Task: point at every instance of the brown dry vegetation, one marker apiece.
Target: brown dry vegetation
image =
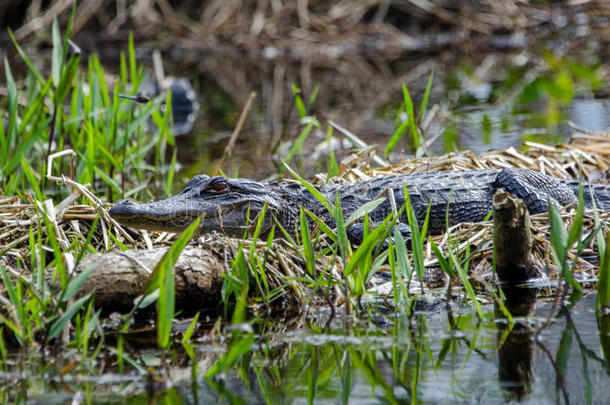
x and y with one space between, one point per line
588 154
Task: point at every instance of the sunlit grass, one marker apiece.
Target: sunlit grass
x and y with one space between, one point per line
77 106
112 137
411 123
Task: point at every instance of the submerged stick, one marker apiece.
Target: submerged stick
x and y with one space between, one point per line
240 123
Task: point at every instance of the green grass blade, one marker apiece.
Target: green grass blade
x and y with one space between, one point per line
123 70
101 80
560 239
26 59
466 283
306 238
31 178
133 75
341 231
298 101
59 324
424 101
298 144
69 27
401 273
332 167
11 133
3 154
577 228
559 235
402 256
603 284
442 261
314 191
66 80
163 278
416 237
189 332
313 96
364 209
75 284
410 115
57 59
322 225
402 128
562 357
170 174
14 298
36 110
107 179
237 348
367 245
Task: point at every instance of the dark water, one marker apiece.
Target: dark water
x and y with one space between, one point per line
397 359
461 365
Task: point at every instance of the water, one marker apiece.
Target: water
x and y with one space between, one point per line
439 363
422 359
472 114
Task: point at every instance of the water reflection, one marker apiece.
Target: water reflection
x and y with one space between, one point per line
478 125
516 350
430 357
425 360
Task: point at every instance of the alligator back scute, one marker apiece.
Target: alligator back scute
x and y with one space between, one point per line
466 194
535 188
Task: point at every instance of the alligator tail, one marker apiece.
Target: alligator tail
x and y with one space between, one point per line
595 194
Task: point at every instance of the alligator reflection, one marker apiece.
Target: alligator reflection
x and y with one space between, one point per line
516 353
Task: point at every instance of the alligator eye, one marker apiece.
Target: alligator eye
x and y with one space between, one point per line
217 186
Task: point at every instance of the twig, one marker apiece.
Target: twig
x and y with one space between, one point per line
240 123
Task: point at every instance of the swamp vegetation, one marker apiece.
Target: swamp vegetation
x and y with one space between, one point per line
310 318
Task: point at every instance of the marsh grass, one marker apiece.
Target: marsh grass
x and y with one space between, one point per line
603 285
78 107
412 123
111 136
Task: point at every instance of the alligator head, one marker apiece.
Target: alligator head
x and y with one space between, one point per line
230 206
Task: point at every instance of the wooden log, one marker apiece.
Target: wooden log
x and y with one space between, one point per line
120 276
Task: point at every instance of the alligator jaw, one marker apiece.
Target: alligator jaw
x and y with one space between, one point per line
153 216
176 213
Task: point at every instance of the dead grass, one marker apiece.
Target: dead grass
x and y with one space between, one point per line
589 154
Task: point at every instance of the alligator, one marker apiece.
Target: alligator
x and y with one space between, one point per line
232 205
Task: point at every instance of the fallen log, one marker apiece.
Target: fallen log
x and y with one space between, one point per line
119 277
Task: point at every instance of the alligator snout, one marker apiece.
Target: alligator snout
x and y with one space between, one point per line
172 215
124 207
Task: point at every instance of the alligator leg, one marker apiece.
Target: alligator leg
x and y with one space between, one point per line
534 188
